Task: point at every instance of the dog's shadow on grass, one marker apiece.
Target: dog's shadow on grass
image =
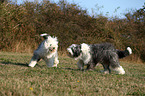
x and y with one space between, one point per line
19 64
84 70
67 68
12 63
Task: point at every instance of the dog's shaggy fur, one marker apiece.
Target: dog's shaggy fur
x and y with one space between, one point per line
91 55
47 51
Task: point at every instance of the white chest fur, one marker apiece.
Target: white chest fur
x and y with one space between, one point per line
86 56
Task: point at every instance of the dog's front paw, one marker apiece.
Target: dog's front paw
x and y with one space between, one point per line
32 63
55 65
105 71
56 62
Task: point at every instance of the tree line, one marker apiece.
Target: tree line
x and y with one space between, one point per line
21 25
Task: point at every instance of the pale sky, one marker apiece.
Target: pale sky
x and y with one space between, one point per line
109 8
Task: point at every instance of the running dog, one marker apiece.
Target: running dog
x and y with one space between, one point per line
93 54
47 51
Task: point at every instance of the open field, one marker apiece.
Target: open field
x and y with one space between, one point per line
16 79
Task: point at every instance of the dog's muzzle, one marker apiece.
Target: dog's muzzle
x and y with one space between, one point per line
52 49
69 52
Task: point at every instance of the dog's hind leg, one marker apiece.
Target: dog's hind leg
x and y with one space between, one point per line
119 70
114 63
34 60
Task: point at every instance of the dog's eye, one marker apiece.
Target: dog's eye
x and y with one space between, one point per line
53 47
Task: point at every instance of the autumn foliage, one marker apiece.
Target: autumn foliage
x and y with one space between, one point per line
21 25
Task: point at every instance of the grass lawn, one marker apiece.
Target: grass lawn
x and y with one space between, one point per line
16 79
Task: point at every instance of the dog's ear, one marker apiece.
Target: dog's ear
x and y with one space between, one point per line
44 35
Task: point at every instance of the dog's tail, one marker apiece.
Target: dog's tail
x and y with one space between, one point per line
122 54
44 35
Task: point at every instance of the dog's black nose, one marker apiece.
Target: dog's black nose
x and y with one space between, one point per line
52 49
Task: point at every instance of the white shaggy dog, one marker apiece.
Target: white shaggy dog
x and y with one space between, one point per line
47 51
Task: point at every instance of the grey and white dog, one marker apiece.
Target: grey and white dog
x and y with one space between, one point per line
47 51
104 53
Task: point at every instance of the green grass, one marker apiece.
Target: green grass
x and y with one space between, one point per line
16 79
